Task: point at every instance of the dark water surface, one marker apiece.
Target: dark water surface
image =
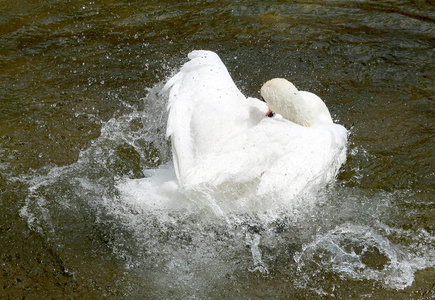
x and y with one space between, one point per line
79 113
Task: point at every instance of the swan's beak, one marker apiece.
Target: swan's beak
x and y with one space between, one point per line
269 113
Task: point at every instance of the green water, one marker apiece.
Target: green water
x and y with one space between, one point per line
78 112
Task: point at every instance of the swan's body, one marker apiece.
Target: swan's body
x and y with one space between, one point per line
223 141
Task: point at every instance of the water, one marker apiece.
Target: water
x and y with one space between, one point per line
80 116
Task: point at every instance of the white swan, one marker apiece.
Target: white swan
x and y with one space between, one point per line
223 141
228 155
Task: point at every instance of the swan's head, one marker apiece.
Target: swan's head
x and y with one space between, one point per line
302 108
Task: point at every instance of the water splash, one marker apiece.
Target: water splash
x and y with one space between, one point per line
186 245
360 253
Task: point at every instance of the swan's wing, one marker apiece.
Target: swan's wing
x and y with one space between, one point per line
203 108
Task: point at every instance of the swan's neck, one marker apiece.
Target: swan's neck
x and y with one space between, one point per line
284 98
